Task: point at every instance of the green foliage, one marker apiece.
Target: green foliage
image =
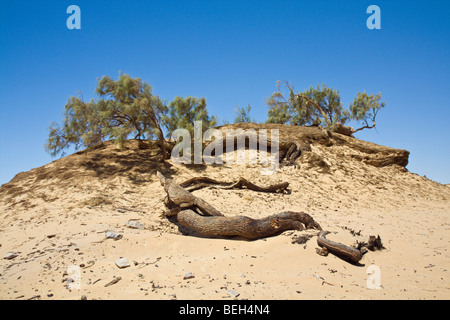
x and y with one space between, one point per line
183 112
320 106
364 108
243 115
124 107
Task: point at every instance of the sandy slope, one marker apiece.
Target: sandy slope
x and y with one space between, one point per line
56 217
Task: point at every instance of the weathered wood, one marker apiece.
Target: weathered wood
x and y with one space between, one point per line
347 253
183 199
372 154
246 227
182 204
202 182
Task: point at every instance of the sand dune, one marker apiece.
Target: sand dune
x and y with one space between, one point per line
56 216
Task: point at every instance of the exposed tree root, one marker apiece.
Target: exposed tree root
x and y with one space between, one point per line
184 204
202 182
244 226
199 216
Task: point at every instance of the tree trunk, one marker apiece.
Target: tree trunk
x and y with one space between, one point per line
162 143
182 203
244 226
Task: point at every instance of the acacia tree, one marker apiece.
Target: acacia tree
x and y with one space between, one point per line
364 108
125 107
243 115
321 106
183 112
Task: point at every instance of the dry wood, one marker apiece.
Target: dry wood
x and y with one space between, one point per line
246 227
342 251
182 203
202 182
179 198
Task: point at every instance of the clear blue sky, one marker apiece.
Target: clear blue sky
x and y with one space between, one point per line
232 53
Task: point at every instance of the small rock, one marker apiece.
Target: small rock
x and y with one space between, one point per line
113 281
113 235
232 293
122 263
188 276
121 210
135 225
10 255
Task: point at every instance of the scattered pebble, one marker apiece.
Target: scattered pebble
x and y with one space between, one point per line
113 235
233 293
122 263
10 255
188 276
135 225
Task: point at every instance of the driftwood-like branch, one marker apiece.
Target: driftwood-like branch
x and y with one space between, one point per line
202 182
347 253
198 215
178 198
184 204
244 226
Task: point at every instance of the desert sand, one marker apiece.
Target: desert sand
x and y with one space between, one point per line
55 218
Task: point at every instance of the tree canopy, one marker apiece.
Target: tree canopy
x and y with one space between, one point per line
124 108
321 106
183 112
243 115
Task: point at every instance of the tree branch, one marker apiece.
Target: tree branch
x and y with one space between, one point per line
324 115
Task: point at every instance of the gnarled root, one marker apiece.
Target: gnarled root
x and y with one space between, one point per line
202 182
246 227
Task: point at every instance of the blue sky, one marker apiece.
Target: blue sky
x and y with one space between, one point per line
232 53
